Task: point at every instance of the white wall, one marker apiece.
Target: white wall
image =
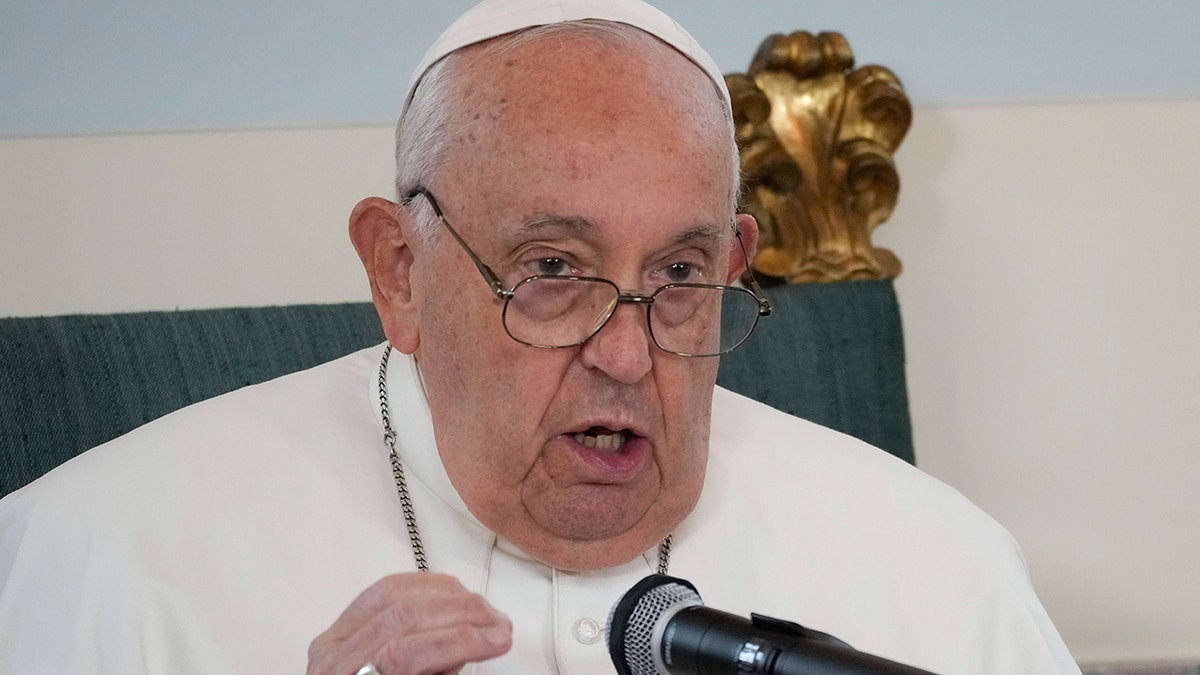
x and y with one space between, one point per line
1049 302
1053 331
189 220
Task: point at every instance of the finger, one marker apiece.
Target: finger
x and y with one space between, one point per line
416 587
404 620
404 652
413 618
444 650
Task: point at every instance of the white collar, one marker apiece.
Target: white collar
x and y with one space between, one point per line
413 423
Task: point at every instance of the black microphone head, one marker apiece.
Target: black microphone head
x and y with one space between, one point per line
636 616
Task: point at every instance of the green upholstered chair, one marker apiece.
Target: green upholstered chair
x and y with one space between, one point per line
831 352
69 383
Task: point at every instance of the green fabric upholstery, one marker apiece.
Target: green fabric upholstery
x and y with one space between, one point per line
68 383
832 353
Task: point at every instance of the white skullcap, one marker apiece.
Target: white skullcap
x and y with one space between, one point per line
492 18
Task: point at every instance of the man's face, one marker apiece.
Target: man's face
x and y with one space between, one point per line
578 161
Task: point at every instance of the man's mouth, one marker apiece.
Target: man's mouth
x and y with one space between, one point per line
602 439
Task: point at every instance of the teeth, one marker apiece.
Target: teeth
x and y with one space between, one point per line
601 441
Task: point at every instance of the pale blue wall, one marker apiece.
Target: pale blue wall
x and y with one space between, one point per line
83 66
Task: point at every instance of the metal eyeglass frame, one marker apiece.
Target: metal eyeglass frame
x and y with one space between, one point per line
493 281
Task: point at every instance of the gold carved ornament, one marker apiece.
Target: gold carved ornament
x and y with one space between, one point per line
816 138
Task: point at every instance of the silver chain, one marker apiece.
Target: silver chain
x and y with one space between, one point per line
410 517
664 554
389 437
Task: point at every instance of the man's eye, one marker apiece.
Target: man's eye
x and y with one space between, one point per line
550 266
680 272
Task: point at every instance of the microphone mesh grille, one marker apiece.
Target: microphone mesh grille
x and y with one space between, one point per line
639 633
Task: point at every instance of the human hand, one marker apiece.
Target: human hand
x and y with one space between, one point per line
411 624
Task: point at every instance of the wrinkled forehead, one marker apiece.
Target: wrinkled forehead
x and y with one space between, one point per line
493 18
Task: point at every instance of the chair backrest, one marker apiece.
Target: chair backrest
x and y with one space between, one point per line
834 354
68 383
816 137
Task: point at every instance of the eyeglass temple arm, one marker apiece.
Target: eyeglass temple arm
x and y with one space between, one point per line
488 275
764 305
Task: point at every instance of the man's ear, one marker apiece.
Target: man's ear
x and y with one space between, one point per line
381 239
745 224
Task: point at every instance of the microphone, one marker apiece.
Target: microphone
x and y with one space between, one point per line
661 627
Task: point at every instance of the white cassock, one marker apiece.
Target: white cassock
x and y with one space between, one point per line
224 537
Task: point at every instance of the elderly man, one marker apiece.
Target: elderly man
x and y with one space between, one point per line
540 432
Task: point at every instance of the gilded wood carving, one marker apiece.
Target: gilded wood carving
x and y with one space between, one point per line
816 138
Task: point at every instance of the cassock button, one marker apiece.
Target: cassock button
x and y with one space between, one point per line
588 631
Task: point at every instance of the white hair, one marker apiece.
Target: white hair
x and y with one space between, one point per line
423 130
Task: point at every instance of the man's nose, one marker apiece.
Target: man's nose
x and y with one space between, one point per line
622 347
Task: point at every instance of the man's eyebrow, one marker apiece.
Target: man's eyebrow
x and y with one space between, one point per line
697 235
702 235
543 222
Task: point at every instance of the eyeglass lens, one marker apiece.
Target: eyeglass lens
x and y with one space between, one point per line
692 320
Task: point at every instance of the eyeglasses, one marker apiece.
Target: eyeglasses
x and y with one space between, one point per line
556 311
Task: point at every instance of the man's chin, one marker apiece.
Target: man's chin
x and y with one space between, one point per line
592 555
593 512
589 539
